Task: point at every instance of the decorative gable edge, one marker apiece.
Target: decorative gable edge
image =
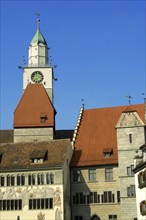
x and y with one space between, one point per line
77 126
129 119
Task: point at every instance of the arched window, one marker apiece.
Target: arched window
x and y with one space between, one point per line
95 217
33 179
29 179
39 179
18 180
22 180
47 178
2 181
51 178
42 178
8 180
12 180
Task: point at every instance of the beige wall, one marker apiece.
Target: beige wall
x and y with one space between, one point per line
99 186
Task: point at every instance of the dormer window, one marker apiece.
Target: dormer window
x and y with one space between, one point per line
38 156
43 117
107 152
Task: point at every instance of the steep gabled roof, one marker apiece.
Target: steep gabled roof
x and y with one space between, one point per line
33 106
97 132
17 156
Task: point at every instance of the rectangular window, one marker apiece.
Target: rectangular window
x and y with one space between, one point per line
10 205
82 198
108 197
130 170
41 203
78 218
76 175
92 174
118 196
142 179
112 217
143 208
131 191
109 174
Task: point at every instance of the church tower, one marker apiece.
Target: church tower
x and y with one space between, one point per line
38 69
34 116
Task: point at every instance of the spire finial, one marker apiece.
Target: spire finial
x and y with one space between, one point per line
129 99
38 19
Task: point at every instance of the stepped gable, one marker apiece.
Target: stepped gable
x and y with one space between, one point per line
17 156
34 104
97 133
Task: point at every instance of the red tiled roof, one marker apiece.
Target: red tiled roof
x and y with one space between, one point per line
34 103
16 156
96 133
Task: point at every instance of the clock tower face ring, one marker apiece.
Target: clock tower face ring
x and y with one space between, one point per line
37 77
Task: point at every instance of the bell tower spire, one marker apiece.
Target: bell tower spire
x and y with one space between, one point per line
38 69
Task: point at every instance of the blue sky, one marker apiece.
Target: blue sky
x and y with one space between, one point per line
98 47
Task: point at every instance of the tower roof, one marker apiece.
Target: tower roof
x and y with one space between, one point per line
35 108
38 38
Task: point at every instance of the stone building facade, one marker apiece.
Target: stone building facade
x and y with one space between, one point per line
140 181
45 176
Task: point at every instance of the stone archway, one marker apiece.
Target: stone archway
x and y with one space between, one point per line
95 217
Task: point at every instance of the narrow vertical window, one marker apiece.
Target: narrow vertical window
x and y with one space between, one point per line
33 179
29 179
2 181
51 178
42 178
8 180
47 178
22 180
130 138
18 180
12 180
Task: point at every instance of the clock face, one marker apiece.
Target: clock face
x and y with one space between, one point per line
37 77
